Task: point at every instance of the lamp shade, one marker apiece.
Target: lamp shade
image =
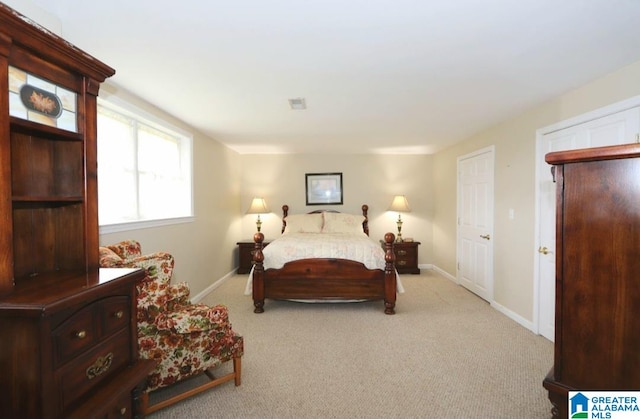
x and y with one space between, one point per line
399 204
258 206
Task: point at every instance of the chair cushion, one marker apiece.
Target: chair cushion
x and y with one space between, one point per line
194 318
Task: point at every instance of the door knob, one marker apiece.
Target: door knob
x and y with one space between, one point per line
543 250
486 237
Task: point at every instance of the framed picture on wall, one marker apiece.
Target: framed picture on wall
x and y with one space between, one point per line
323 188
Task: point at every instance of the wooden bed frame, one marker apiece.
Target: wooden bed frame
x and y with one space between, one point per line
325 278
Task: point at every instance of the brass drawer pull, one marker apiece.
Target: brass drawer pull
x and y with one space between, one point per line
401 262
101 366
119 314
123 410
81 334
402 252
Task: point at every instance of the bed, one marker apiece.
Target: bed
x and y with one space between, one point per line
324 256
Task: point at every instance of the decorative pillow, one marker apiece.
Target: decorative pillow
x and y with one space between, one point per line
303 223
336 222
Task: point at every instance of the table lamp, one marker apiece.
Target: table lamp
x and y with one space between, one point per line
400 205
258 206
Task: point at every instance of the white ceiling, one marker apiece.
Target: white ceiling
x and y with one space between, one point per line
378 76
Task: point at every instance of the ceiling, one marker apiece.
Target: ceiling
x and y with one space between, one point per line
378 76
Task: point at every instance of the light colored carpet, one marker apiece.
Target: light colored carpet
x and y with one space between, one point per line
445 354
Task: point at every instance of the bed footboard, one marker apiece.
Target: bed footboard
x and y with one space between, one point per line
329 279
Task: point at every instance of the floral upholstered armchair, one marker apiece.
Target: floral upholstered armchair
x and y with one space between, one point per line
185 339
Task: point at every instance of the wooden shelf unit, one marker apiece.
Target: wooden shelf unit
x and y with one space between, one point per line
68 329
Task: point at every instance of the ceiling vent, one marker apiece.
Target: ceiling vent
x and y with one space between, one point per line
298 104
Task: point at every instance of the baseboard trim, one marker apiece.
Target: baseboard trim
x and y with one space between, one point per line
446 274
514 316
202 294
510 314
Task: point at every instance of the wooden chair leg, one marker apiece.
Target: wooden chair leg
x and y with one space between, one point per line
235 375
237 370
144 404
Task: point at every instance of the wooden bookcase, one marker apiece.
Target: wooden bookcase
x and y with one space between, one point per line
68 335
48 180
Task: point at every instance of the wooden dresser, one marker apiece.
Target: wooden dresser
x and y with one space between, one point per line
406 257
68 335
69 346
597 323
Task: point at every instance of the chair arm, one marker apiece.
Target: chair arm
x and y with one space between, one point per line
159 266
195 318
179 293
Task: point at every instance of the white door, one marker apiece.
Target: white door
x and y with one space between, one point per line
619 128
475 222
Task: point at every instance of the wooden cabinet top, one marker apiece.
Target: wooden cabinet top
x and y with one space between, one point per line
54 291
595 153
265 242
402 244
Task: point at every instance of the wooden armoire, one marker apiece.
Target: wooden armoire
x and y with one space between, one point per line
597 323
68 345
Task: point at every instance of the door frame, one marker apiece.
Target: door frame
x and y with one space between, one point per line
540 133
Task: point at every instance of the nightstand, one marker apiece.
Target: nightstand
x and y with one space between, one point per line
406 257
245 255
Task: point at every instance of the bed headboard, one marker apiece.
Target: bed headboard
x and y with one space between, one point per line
365 223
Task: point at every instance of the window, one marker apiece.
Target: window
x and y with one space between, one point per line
144 170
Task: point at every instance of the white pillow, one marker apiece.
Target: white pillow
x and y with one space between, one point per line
303 223
336 222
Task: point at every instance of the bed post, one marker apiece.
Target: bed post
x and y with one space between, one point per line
258 274
390 284
365 223
285 212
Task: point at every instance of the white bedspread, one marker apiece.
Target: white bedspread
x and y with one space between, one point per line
295 246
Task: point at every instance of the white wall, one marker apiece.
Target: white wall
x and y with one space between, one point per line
515 186
367 179
204 248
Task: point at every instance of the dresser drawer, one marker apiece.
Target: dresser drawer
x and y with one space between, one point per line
115 314
91 368
89 325
123 408
75 335
406 257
